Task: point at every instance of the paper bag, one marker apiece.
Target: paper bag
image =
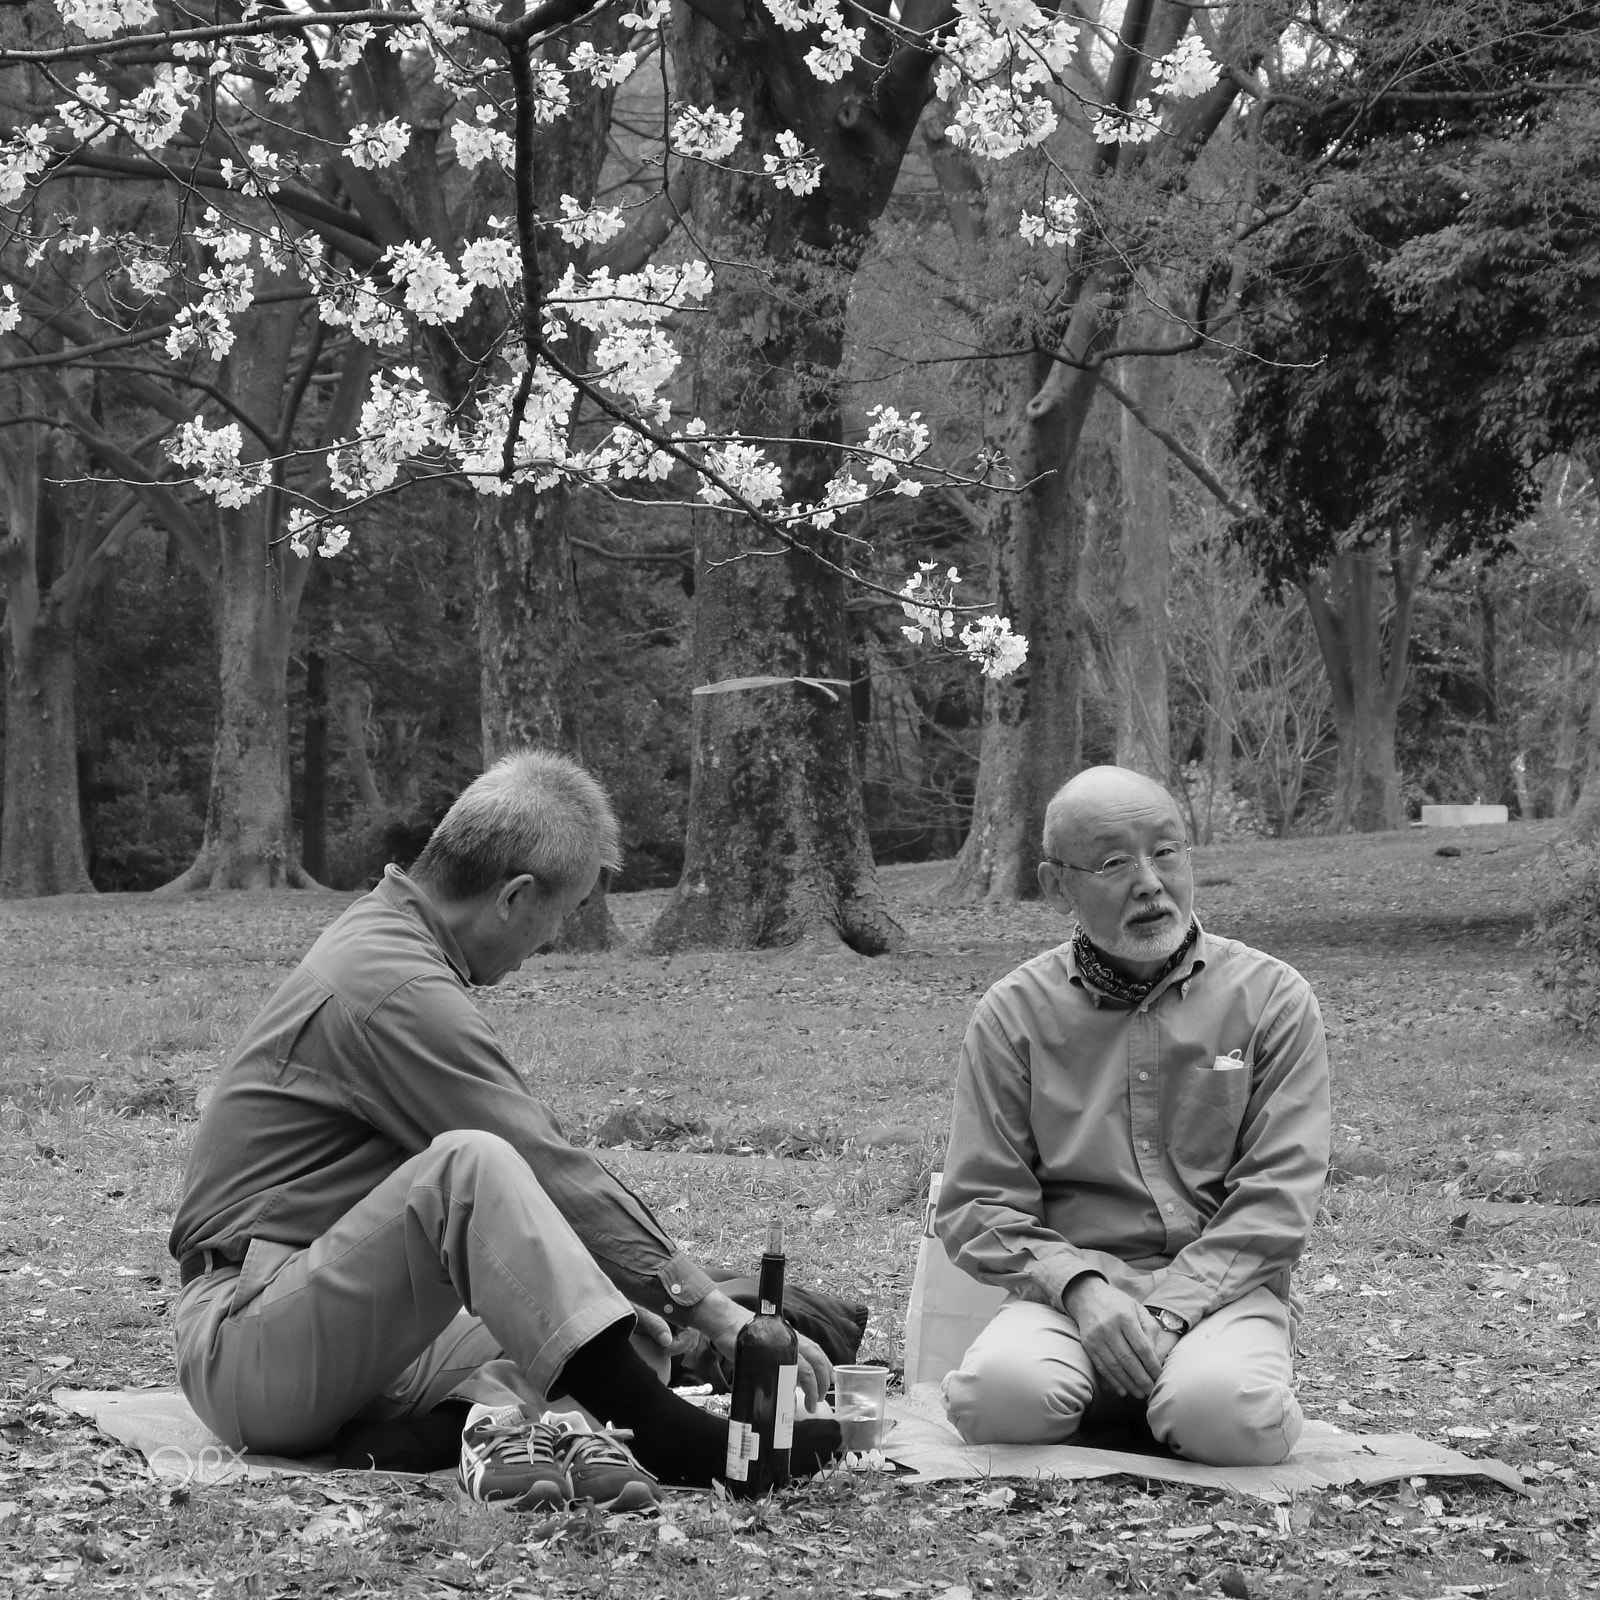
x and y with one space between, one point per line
948 1309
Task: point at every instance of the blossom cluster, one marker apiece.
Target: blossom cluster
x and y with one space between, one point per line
213 458
1003 68
986 641
1060 224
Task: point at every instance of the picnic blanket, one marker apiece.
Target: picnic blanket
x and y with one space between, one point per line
924 1442
160 1424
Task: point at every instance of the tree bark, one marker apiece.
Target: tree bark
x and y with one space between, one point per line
1367 681
1583 821
530 624
249 840
1139 643
529 652
314 770
1032 729
1502 779
354 699
776 849
41 831
1032 745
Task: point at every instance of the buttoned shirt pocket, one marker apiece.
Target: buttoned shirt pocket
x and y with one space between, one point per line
1208 1106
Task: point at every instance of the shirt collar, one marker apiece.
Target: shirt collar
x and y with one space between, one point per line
1194 959
405 894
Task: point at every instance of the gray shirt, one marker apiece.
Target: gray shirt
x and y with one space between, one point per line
1189 1132
370 1049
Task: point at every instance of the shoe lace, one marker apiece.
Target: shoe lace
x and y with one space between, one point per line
517 1441
604 1447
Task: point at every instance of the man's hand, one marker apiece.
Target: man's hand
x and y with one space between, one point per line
720 1320
1124 1342
673 1341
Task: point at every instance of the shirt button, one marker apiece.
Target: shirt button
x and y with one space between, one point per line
1143 1076
1144 1144
1169 1205
677 1288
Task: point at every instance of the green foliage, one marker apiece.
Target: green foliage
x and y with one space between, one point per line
1566 932
1427 331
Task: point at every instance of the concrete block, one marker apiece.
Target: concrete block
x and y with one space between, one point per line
1463 816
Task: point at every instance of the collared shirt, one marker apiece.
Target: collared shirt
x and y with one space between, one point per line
1187 1133
371 1049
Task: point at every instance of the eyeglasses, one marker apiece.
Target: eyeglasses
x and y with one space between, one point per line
1167 858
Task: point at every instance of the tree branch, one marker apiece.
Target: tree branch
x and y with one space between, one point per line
1196 466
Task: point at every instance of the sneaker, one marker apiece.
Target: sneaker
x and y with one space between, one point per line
510 1461
603 1469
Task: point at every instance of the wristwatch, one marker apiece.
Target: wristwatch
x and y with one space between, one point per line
1170 1320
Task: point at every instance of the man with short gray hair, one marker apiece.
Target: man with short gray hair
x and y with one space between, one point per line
380 1225
1139 1141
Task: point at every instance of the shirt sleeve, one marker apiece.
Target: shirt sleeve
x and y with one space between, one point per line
991 1205
432 1064
1280 1165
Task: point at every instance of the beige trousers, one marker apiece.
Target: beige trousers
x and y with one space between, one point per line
1223 1397
369 1319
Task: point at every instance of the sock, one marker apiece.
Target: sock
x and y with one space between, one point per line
676 1441
426 1443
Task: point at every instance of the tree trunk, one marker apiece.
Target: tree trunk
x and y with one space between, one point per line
1583 821
41 831
354 699
530 624
1032 730
1139 643
530 666
1367 682
314 770
1502 779
249 840
776 850
1564 764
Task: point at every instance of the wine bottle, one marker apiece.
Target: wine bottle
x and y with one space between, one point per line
766 1367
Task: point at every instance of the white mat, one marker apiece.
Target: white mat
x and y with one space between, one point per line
926 1443
160 1424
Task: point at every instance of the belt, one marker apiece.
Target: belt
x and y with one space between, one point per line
199 1262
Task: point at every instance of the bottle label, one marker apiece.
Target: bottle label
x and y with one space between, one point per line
768 1309
743 1448
783 1417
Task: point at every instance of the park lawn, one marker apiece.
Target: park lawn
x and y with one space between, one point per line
815 1086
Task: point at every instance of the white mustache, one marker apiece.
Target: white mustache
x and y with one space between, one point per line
1150 913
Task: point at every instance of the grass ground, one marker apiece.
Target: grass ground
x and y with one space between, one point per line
729 1087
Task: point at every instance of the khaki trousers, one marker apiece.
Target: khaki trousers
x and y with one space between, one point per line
457 1276
1223 1397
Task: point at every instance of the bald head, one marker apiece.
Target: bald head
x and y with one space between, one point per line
1087 810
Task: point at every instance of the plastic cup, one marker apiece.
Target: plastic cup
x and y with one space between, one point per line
859 1394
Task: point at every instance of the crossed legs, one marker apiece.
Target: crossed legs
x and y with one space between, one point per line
1223 1397
279 1355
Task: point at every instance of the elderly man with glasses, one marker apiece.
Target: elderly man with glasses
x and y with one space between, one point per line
1139 1140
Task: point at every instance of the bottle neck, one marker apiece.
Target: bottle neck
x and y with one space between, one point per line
770 1289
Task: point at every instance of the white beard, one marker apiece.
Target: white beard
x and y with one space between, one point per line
1157 944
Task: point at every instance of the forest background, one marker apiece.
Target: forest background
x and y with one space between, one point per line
1317 541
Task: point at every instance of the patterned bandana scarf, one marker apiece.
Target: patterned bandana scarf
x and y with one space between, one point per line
1111 983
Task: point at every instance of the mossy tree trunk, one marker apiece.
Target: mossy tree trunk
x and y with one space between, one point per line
41 831
777 850
1366 654
530 621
